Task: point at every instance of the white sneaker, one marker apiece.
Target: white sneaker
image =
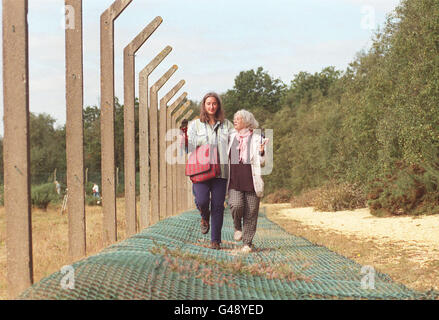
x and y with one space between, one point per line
238 235
246 249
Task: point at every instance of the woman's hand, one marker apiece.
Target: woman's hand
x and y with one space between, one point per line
262 146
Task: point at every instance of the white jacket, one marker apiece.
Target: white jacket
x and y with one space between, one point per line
256 160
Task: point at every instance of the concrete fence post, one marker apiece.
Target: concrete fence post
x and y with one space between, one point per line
165 167
179 181
16 146
191 203
181 172
171 125
129 123
107 119
75 133
144 155
158 188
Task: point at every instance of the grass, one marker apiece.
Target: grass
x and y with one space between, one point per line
392 259
214 272
50 239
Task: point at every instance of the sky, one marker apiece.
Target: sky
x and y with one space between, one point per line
212 41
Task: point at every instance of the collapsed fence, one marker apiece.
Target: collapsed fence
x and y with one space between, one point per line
152 123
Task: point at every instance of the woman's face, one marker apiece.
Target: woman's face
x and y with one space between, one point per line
238 123
211 106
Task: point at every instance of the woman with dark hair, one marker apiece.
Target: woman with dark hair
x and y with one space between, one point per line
211 128
184 138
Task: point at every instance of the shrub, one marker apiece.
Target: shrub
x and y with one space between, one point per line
89 188
92 201
279 196
407 189
44 194
306 198
340 196
332 197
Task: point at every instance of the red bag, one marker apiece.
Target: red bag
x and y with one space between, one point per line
203 163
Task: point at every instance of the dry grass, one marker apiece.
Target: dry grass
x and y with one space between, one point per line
331 197
50 239
390 257
214 272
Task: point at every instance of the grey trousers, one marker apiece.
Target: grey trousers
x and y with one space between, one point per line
244 207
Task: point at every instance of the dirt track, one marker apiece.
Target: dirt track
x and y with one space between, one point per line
393 245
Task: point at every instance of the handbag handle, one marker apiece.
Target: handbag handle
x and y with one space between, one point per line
216 134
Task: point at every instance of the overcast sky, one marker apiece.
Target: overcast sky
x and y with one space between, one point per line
212 42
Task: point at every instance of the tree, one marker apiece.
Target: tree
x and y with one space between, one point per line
92 140
254 90
47 147
304 86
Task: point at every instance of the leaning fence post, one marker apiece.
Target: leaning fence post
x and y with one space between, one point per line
156 199
107 118
74 132
188 181
181 172
170 125
129 123
16 146
179 190
144 156
165 167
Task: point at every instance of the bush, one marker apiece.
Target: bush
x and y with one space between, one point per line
340 196
407 189
279 196
44 194
332 197
92 201
306 198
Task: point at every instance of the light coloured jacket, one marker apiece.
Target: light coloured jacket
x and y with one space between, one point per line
256 160
197 137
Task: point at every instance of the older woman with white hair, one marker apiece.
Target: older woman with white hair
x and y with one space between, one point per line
245 185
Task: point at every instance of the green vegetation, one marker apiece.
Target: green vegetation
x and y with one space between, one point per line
44 194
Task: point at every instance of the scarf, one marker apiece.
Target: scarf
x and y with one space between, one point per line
242 137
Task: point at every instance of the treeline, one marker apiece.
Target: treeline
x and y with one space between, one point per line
375 124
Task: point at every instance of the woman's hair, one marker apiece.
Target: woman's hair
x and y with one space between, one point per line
219 115
184 123
248 118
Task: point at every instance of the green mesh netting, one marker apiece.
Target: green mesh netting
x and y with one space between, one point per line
172 260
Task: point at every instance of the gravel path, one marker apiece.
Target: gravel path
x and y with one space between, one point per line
412 232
